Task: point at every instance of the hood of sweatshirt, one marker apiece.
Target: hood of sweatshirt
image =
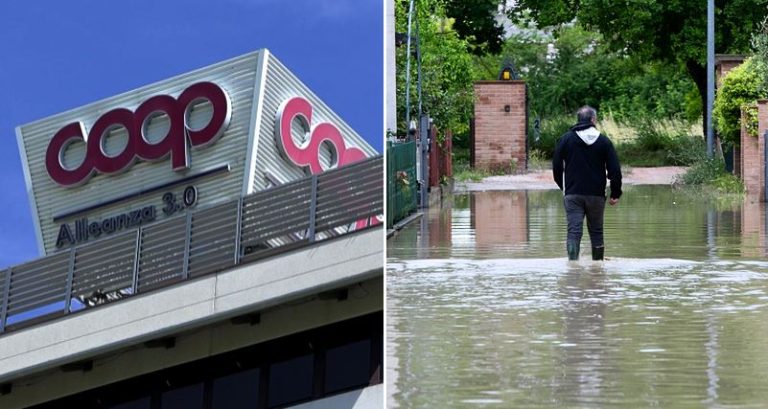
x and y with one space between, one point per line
589 135
586 131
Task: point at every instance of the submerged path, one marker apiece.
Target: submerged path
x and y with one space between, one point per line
485 311
542 179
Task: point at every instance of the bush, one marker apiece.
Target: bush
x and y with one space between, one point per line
686 150
742 85
710 173
651 136
660 143
550 131
704 172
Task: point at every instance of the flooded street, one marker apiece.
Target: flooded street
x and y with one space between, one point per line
484 310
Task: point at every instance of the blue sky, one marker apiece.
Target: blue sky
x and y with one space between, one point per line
58 55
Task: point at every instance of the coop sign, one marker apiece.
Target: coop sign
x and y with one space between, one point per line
175 143
308 155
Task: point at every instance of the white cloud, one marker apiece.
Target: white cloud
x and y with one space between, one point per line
330 9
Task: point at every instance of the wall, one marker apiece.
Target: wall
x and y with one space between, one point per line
753 156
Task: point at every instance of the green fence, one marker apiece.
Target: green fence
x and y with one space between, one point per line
401 181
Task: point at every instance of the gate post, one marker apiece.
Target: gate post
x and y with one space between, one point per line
424 164
500 126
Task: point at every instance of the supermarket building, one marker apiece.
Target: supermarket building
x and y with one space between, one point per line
212 240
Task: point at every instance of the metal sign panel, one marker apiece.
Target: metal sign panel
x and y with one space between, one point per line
272 165
197 139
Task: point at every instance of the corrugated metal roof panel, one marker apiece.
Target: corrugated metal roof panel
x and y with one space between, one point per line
280 84
235 76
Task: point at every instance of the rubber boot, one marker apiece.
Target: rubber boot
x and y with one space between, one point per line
573 249
597 253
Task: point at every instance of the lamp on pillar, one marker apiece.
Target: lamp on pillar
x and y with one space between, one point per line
508 71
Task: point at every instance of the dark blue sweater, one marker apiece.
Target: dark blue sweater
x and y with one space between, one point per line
585 165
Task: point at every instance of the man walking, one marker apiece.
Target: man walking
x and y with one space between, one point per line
586 156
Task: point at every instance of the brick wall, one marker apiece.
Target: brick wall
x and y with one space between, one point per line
724 68
752 156
762 116
500 136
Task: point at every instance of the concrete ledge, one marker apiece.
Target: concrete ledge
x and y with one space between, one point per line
189 305
402 223
300 315
438 195
366 398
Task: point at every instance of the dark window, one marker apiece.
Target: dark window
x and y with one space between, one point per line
187 397
348 366
276 373
143 403
291 380
236 391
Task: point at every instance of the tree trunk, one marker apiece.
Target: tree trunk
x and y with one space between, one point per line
698 73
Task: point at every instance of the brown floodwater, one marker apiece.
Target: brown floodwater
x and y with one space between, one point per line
484 310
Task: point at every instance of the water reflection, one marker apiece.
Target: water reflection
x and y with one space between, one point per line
484 310
499 218
653 221
583 309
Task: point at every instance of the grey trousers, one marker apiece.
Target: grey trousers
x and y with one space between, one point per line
593 207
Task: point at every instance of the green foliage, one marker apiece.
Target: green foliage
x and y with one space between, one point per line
710 174
728 183
652 137
741 86
656 147
760 45
537 160
462 172
650 90
652 142
704 172
475 22
670 32
551 129
572 67
686 150
447 67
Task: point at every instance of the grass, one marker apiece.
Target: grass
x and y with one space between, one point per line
462 172
643 142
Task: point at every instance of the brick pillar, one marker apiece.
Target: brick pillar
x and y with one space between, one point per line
500 126
762 117
753 156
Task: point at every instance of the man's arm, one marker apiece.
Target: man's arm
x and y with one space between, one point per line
557 162
614 172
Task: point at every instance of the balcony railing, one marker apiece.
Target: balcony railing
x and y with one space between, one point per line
195 244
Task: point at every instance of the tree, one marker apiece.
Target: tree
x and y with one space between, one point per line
447 68
475 21
672 31
760 44
569 67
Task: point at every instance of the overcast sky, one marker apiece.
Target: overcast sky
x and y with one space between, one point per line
58 55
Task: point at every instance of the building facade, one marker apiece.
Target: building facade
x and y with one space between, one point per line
212 240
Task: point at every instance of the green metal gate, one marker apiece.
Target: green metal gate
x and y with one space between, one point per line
401 181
